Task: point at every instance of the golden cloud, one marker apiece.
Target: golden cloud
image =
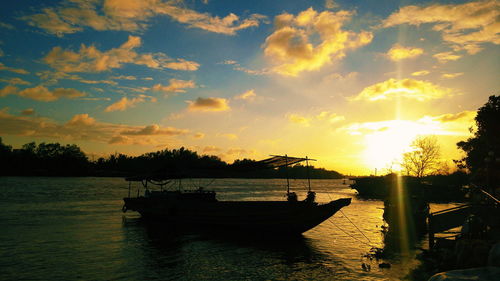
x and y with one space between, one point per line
199 136
40 93
12 69
420 73
407 88
466 26
208 104
131 15
248 95
15 81
398 52
84 127
229 136
175 86
446 57
28 111
155 130
290 45
126 103
450 117
451 75
90 59
298 119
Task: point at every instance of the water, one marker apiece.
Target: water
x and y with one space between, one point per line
73 229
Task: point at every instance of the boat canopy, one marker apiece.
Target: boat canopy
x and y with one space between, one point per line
281 161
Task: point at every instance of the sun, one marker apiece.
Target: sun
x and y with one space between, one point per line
387 142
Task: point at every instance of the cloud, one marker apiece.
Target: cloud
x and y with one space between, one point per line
229 136
84 127
248 95
457 124
211 149
6 25
291 46
398 52
420 73
199 136
175 86
155 130
12 69
306 121
407 88
131 15
238 67
28 112
446 57
465 26
123 77
330 4
90 59
450 117
40 93
208 105
298 119
126 103
8 90
15 81
451 75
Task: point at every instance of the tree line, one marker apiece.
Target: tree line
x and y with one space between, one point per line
54 159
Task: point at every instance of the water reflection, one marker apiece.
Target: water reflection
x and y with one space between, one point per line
191 255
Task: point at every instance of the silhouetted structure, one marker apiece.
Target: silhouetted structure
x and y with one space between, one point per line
199 209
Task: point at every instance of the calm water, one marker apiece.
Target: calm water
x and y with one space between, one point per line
73 229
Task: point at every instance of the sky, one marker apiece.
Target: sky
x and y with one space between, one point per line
349 83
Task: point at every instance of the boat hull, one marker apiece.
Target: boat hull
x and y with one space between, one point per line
243 216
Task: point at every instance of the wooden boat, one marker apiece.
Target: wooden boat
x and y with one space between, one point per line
201 210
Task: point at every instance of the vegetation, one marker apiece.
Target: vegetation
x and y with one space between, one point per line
483 149
54 159
423 159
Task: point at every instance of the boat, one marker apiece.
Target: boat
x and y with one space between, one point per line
435 188
200 209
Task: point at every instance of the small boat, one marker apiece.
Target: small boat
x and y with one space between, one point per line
200 208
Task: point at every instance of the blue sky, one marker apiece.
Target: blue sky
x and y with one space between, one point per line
351 83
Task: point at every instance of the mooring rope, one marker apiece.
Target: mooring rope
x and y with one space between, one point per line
352 224
353 237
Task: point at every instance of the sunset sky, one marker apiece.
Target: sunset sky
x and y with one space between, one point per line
350 83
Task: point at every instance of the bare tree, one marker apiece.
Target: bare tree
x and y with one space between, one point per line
424 158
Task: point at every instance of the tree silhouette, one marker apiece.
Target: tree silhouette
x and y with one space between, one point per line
424 158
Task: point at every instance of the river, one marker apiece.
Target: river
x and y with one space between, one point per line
74 229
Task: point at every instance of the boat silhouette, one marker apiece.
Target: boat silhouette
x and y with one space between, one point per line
200 209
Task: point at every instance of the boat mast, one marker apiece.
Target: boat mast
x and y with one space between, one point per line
287 179
308 177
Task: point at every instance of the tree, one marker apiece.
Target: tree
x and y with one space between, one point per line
424 157
485 144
